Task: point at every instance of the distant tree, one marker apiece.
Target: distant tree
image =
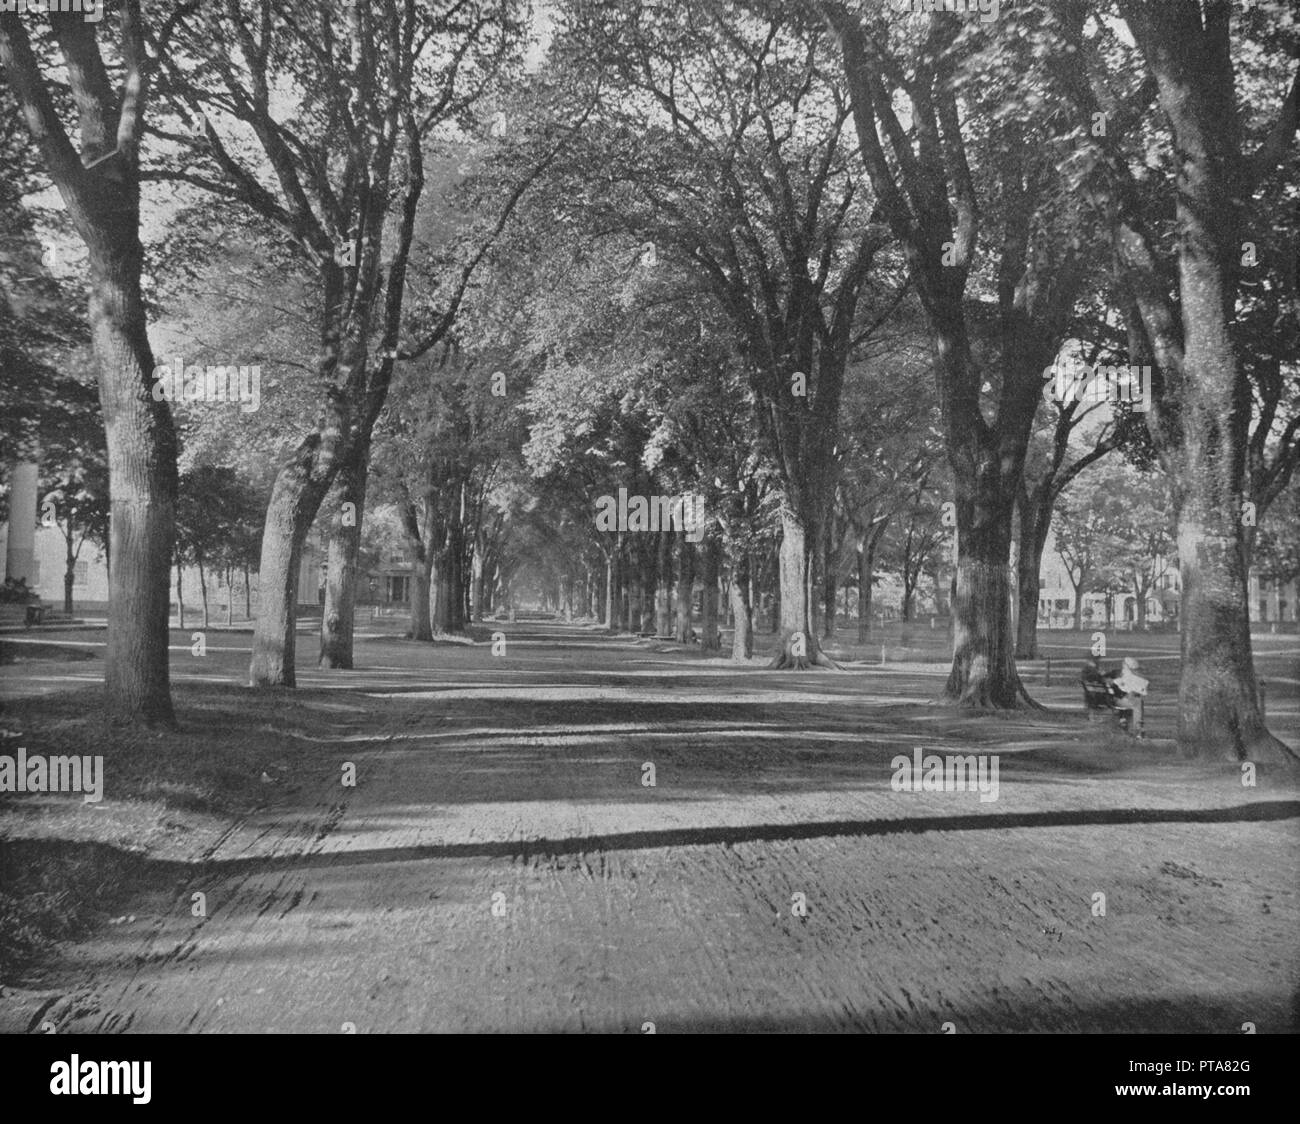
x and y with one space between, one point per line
217 520
1085 529
1276 556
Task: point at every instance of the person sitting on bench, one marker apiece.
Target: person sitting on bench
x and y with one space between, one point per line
1099 690
1130 706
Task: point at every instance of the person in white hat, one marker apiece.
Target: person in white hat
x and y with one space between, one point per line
1135 689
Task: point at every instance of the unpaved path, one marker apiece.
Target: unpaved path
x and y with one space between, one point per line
501 866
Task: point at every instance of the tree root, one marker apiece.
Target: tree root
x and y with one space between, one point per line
784 661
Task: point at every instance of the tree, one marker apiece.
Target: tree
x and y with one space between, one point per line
1142 537
1180 292
343 154
1085 529
1276 556
723 146
969 186
100 187
1052 462
916 537
216 524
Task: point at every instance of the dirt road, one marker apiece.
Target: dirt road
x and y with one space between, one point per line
503 864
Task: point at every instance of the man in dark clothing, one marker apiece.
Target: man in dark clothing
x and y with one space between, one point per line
1099 690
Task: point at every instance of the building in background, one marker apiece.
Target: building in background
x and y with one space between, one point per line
43 565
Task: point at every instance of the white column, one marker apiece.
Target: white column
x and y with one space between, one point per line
20 554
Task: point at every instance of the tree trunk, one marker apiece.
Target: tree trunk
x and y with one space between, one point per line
141 442
443 593
798 647
775 622
866 563
180 598
620 588
476 587
230 597
710 638
69 575
610 567
742 639
299 490
828 582
663 587
1029 589
685 587
203 590
634 596
983 670
248 594
339 614
1218 703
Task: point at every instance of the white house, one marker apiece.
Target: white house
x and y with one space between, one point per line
39 555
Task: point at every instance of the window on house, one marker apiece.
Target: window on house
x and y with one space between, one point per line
79 572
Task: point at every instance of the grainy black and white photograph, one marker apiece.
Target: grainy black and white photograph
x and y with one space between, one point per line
650 517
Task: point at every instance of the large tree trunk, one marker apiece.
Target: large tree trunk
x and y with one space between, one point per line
983 670
102 196
299 490
1218 704
685 587
798 646
1204 442
742 639
710 638
444 594
339 614
142 481
421 571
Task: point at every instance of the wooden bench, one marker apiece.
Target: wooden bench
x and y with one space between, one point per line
1098 698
